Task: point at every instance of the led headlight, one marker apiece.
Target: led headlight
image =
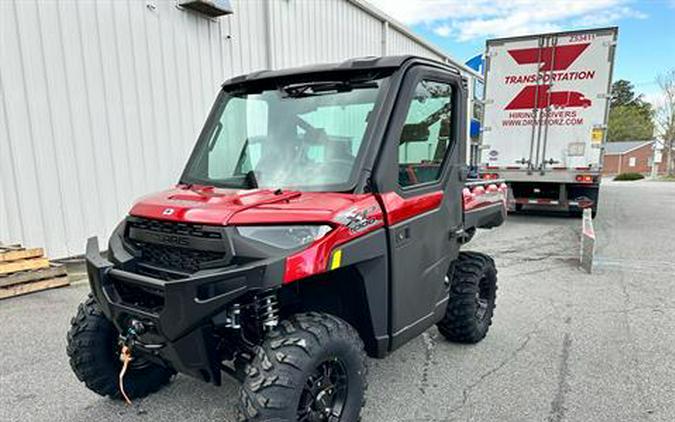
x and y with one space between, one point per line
284 237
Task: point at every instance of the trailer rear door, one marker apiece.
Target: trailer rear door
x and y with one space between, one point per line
547 99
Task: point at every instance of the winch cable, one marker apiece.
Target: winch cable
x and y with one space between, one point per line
125 357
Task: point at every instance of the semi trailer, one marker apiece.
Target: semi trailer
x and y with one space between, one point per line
545 116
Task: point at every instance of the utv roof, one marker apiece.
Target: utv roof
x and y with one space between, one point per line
356 64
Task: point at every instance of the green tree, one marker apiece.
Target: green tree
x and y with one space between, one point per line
630 117
629 123
623 93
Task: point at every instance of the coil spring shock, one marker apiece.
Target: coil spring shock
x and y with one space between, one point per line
268 311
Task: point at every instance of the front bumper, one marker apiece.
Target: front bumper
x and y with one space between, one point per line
181 320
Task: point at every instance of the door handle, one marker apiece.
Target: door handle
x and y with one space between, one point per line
455 232
402 236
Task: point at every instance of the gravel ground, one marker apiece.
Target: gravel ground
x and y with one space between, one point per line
564 346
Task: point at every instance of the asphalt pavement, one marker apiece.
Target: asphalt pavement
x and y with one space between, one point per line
564 345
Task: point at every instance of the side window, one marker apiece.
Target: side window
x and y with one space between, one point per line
426 134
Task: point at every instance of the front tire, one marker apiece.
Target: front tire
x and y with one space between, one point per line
311 368
473 291
94 357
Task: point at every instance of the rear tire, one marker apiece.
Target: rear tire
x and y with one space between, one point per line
473 291
288 376
94 357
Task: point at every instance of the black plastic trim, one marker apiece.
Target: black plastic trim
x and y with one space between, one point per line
182 322
485 217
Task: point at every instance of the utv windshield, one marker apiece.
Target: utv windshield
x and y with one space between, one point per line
305 135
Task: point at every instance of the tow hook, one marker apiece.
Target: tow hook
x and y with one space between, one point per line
136 328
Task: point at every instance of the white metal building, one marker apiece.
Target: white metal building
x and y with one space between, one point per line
101 102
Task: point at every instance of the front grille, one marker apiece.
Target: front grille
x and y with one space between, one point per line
177 246
188 260
169 227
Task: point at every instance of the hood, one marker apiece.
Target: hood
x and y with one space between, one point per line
214 206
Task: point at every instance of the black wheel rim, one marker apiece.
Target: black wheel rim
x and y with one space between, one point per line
324 394
483 297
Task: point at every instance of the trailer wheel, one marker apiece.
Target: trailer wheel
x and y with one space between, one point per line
473 291
311 368
94 357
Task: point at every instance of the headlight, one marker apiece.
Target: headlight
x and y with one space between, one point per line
284 237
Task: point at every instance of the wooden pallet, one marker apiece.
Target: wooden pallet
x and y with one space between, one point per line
14 253
27 270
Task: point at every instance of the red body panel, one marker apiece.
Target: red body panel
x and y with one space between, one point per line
315 259
350 215
399 209
205 205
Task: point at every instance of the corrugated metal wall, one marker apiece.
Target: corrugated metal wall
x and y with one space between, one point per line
321 31
101 102
400 43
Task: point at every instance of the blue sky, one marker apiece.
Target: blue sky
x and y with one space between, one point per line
460 27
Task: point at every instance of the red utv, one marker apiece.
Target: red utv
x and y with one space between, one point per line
319 218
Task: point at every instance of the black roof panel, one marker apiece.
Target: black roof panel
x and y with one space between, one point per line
360 63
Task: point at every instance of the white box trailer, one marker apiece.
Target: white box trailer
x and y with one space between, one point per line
546 106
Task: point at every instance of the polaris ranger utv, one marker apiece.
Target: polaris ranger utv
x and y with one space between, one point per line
318 219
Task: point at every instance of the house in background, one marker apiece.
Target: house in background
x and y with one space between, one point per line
632 157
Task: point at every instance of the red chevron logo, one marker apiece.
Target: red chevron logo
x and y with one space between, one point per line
561 59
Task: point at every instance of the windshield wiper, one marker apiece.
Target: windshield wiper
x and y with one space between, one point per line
308 89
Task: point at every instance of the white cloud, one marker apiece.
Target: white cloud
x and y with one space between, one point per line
517 24
606 17
415 11
471 19
443 30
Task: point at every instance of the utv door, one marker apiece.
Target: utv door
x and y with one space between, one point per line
422 165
